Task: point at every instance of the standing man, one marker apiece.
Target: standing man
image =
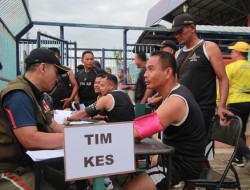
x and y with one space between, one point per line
238 100
168 46
108 70
142 93
180 119
199 71
97 64
86 79
65 91
26 123
121 77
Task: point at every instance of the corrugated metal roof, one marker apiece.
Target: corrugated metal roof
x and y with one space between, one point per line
222 35
205 12
15 16
159 10
224 29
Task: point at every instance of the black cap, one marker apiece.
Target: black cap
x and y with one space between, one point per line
166 43
182 20
55 49
42 55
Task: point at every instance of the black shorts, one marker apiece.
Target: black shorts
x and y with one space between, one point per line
182 169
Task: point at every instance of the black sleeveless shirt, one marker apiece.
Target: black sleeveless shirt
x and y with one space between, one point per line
123 109
62 90
199 76
85 81
140 86
188 138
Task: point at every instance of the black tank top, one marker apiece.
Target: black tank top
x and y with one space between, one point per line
188 138
62 90
123 109
85 83
140 86
198 75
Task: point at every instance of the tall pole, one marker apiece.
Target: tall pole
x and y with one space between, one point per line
125 53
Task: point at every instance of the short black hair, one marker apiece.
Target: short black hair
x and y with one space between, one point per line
85 52
167 59
142 56
111 78
102 75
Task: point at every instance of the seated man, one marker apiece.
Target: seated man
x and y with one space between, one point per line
180 119
26 123
97 85
115 104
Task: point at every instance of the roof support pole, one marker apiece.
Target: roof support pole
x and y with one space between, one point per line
248 20
125 54
62 32
103 58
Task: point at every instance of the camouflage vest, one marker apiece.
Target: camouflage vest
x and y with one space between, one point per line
12 152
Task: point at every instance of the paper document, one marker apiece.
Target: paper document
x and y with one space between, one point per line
40 155
59 115
80 122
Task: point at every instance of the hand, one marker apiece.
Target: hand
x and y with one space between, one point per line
67 102
154 101
124 87
221 111
101 122
77 104
66 121
225 122
99 117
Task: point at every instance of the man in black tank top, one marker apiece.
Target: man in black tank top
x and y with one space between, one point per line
85 80
141 92
199 63
180 119
115 105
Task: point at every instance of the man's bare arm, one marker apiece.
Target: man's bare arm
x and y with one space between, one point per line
216 60
31 138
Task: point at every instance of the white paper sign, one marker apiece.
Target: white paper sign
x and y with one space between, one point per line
98 150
